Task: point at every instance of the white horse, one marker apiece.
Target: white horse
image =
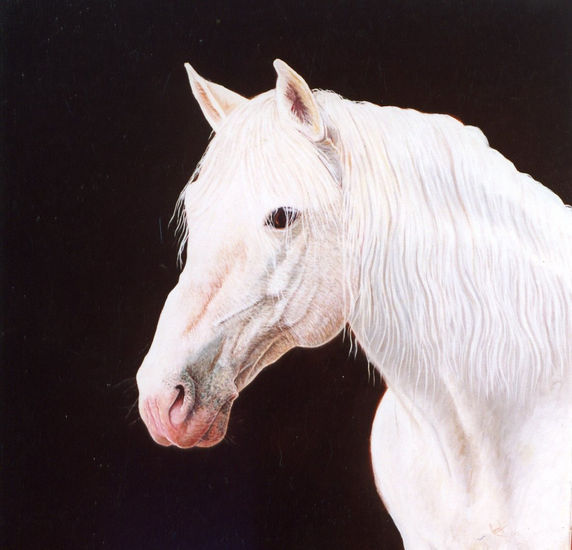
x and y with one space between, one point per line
309 212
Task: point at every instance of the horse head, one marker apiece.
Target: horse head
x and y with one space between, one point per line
264 264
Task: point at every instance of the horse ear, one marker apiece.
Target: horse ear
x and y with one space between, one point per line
215 101
296 102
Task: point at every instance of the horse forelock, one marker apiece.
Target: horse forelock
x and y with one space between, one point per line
254 156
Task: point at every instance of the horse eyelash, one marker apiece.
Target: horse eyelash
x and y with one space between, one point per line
282 217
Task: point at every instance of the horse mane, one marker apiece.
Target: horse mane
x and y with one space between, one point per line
464 263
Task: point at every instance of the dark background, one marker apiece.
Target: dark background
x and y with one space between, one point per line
100 133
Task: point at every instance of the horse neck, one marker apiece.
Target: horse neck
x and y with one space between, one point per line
458 277
457 265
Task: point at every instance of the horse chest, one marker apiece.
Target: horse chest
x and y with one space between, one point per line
446 492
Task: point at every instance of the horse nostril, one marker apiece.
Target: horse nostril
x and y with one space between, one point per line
182 405
180 397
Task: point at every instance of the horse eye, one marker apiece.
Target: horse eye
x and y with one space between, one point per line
282 217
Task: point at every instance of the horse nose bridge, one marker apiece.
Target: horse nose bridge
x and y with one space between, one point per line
187 305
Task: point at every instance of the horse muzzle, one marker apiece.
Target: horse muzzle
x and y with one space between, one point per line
183 413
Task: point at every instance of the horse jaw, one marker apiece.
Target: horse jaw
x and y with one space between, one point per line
208 347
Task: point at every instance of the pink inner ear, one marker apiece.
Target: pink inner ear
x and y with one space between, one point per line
298 107
206 103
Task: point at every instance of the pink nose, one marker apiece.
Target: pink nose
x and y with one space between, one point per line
166 414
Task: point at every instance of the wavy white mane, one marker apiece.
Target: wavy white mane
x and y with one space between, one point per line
465 262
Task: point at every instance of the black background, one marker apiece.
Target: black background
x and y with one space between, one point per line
100 133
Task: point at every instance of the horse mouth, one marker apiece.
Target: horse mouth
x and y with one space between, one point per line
216 431
204 428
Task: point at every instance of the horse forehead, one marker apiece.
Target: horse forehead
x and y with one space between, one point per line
223 206
241 198
210 241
